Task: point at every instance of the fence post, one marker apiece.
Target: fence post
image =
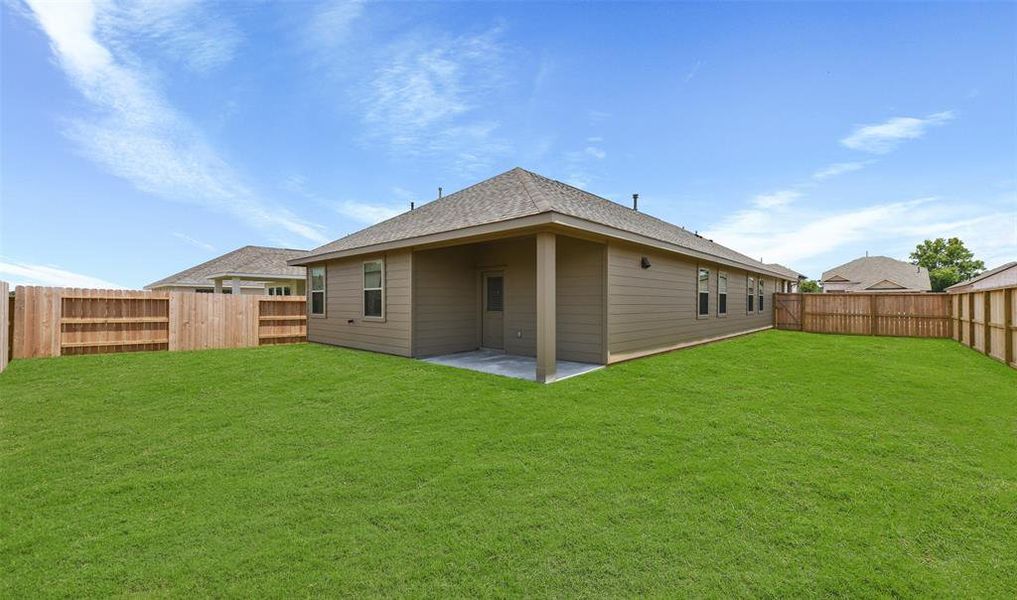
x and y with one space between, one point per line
1008 325
987 322
971 319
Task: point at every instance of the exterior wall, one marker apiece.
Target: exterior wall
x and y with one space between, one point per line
344 323
653 310
446 301
296 288
580 300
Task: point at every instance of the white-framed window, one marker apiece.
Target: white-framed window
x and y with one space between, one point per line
721 293
759 288
703 293
750 288
374 289
279 290
317 275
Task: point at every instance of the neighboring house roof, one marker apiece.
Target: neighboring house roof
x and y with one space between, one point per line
879 273
517 194
985 275
249 262
791 273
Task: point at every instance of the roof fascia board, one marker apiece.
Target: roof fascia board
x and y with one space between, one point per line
254 276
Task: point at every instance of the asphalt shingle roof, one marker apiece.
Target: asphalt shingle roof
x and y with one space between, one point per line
867 271
785 270
520 193
983 275
249 260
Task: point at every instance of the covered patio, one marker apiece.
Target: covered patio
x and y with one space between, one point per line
495 362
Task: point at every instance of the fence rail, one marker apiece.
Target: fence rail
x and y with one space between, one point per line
62 321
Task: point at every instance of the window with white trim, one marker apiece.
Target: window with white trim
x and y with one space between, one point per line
374 289
721 293
750 288
317 275
759 290
279 290
704 292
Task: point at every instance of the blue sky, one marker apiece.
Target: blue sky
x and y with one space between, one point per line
139 139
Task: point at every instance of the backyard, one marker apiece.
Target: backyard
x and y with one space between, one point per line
776 464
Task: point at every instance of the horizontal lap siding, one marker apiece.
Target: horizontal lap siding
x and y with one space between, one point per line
344 301
655 309
580 300
446 296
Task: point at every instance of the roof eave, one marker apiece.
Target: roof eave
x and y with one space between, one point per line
546 218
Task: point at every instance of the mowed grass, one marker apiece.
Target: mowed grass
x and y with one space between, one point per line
778 464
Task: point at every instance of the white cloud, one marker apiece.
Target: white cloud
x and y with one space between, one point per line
49 275
367 213
776 199
839 169
424 93
595 152
692 72
196 243
883 137
137 135
332 22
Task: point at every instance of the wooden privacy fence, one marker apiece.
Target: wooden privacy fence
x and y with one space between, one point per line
5 332
62 321
985 321
904 315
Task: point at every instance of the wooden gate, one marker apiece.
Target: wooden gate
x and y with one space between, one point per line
787 311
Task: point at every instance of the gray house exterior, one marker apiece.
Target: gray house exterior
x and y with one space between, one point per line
531 266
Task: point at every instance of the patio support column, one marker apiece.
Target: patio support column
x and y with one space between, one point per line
546 341
218 286
235 286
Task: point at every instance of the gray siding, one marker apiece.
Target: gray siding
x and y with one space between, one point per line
580 300
651 310
446 296
343 302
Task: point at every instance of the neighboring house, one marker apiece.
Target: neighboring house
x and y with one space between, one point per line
876 274
533 267
1002 276
793 277
248 270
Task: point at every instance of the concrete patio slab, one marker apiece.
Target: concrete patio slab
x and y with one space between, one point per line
495 362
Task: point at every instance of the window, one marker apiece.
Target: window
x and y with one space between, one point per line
495 294
722 293
751 292
759 305
704 292
374 289
204 290
279 291
317 290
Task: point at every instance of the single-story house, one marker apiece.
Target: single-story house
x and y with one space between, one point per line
530 266
1004 275
789 285
876 274
249 270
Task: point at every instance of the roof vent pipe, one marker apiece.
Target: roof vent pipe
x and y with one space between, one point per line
635 201
439 193
411 204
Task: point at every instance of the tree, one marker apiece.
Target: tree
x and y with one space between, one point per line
948 262
809 286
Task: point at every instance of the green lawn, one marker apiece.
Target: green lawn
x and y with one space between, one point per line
779 464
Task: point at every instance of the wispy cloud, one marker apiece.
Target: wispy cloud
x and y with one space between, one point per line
136 133
426 91
365 213
31 274
595 152
839 169
776 199
193 242
331 22
693 71
881 138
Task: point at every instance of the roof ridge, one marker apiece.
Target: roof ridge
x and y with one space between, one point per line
525 178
